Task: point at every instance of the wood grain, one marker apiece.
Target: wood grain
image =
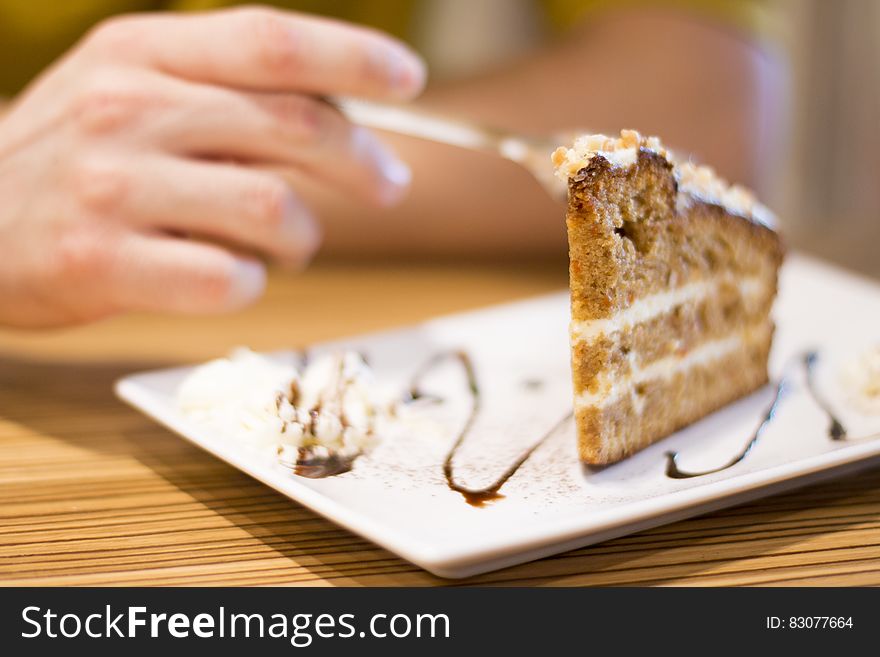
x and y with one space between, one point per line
92 493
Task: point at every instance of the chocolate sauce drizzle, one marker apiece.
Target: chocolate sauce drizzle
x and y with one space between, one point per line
312 466
317 466
673 471
477 497
836 430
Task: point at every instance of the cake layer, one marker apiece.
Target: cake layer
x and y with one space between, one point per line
627 240
610 386
660 303
618 346
693 181
659 405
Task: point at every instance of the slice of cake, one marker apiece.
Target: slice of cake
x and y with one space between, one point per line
673 274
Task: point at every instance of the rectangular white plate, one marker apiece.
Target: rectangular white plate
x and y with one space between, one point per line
397 497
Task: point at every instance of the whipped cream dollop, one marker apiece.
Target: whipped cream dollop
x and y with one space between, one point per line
695 182
332 406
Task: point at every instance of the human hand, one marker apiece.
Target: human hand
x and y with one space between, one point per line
156 139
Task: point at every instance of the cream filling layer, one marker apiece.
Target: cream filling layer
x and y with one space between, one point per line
666 368
654 305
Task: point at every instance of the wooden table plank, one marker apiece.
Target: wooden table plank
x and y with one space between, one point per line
92 493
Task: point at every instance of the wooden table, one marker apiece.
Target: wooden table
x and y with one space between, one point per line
92 493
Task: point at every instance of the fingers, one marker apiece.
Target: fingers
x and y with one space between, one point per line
249 208
277 130
269 50
287 130
165 274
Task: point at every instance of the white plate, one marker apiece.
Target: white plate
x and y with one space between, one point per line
397 496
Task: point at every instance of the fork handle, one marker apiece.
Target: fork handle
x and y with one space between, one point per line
533 155
418 124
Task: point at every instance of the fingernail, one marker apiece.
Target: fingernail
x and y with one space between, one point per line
249 281
406 70
393 170
395 175
300 231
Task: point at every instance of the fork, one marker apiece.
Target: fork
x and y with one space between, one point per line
531 153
